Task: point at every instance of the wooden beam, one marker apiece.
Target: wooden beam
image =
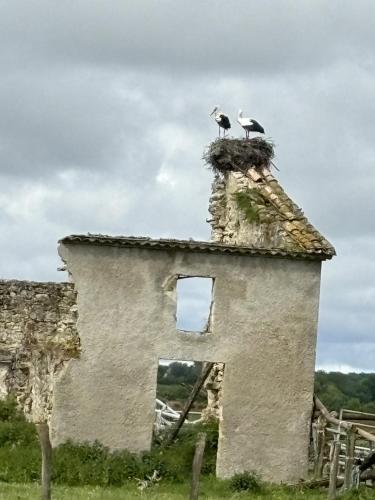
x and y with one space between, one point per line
357 415
45 444
349 459
334 469
194 393
342 423
197 465
312 484
320 446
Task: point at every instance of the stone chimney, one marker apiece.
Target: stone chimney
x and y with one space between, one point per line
249 208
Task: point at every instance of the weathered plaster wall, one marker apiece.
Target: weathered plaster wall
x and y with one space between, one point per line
263 328
36 321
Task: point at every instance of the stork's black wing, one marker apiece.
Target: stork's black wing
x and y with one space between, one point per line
224 122
256 127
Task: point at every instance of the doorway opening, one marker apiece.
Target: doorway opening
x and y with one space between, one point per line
189 388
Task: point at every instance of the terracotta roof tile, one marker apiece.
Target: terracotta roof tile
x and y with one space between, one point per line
293 220
189 245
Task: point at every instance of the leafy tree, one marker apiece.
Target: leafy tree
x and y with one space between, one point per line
355 391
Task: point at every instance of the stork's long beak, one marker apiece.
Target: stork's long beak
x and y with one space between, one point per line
212 112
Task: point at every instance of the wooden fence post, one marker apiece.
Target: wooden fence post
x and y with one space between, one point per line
197 465
334 469
349 459
45 444
320 446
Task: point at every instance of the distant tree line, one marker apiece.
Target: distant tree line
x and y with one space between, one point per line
175 382
178 373
355 391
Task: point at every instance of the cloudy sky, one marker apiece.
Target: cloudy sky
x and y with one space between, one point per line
104 116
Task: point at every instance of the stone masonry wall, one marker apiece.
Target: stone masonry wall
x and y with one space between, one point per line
37 335
229 224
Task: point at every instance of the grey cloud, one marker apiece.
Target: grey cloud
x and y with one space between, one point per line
268 37
343 357
194 297
104 117
56 120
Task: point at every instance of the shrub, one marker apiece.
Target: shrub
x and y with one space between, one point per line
246 481
17 434
20 464
14 428
93 464
182 451
122 466
78 464
9 410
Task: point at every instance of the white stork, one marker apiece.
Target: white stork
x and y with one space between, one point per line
249 125
221 119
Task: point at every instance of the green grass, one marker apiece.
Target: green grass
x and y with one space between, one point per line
83 471
210 489
165 491
32 491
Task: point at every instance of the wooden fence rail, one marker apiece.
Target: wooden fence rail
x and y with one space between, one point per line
346 461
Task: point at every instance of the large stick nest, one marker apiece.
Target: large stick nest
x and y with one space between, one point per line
223 155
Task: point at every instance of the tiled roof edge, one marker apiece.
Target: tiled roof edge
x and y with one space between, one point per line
193 246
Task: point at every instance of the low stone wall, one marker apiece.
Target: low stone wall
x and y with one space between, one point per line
37 334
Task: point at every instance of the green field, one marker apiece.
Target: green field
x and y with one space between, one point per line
210 489
90 471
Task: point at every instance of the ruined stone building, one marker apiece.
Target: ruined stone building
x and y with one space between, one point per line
264 261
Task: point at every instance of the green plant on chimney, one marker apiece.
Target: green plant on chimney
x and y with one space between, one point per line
249 202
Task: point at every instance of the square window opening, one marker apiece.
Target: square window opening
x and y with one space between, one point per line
194 303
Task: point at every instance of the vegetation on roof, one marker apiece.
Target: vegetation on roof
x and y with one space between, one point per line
224 155
249 202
